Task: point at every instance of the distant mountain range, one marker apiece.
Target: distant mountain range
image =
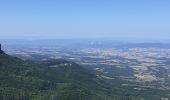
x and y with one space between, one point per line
78 43
144 45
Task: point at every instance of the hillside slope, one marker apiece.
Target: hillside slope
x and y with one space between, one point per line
52 80
62 80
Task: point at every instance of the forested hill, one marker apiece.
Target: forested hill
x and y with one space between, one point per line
61 80
51 80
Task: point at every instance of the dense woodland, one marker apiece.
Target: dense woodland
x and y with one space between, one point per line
63 80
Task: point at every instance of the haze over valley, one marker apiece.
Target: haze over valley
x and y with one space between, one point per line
84 49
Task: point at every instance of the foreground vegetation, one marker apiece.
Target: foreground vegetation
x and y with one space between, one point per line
63 80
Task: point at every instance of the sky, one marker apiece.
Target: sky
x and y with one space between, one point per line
85 19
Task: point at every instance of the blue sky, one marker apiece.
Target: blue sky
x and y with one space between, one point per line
84 18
